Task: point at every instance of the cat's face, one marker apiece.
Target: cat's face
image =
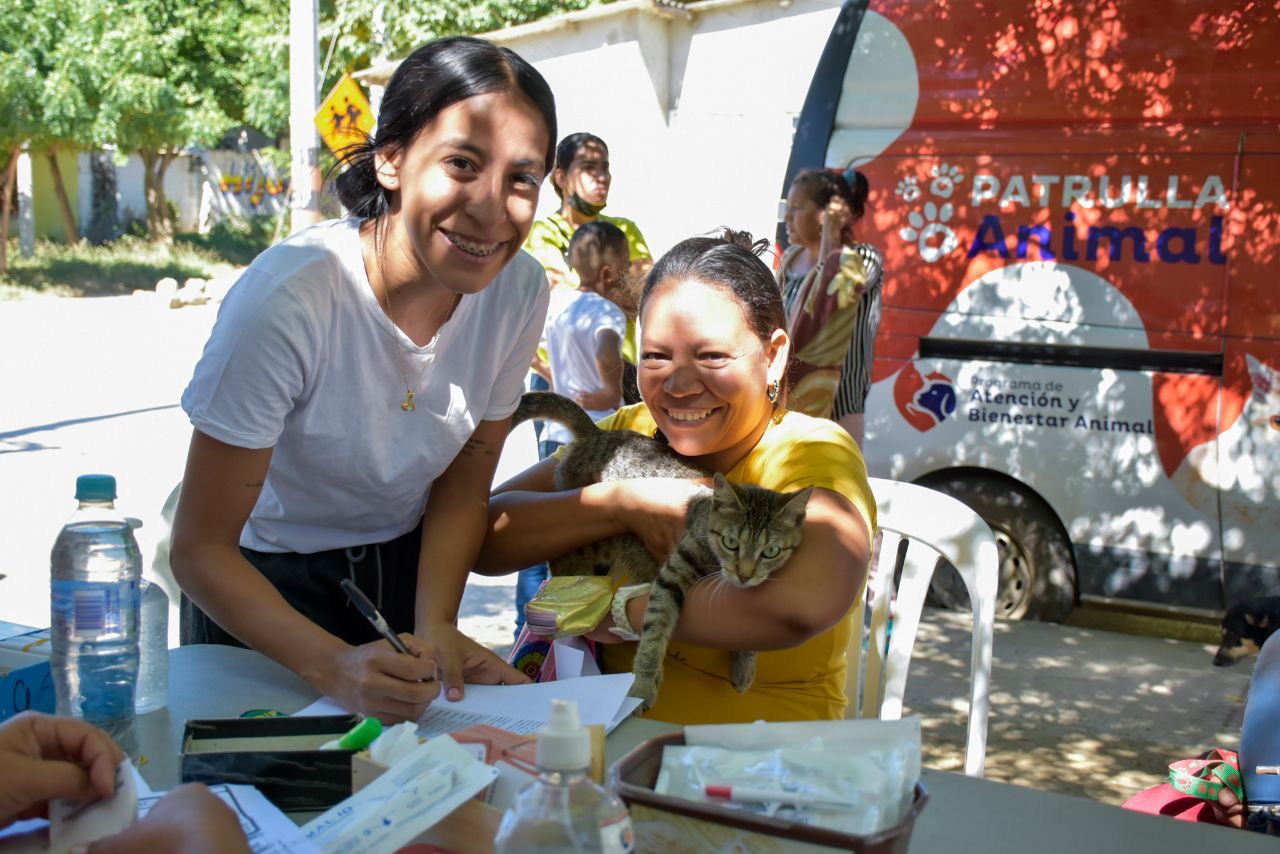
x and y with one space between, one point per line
754 531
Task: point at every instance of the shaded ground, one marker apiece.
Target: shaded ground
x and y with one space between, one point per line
1078 711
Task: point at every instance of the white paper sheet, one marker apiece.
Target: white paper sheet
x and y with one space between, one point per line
73 823
573 660
268 829
519 708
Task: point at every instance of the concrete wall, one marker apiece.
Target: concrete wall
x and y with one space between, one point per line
47 213
204 189
698 114
182 182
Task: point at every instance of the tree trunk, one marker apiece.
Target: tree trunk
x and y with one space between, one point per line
6 201
68 218
158 222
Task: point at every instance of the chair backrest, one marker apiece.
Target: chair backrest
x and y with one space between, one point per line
919 527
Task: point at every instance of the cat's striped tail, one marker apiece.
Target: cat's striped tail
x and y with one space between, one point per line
549 406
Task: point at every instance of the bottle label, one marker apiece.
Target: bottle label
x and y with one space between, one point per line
90 610
617 837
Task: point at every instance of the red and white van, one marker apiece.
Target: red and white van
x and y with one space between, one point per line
1079 209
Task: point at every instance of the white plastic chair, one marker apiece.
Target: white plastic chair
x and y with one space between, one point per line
932 526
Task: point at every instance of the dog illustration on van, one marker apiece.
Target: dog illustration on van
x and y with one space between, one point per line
1239 471
925 402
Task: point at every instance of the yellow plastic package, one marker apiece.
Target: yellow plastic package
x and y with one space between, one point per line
568 605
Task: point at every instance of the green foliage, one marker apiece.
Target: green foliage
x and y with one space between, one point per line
234 241
164 74
406 24
156 76
118 268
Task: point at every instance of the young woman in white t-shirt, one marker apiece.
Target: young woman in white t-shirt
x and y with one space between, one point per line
355 393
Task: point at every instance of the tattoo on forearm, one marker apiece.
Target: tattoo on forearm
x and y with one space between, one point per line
473 447
257 484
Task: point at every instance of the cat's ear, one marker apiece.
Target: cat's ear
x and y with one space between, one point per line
724 490
796 504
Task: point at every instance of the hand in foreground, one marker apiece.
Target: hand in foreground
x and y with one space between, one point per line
596 400
44 757
188 820
655 509
464 660
375 679
1228 809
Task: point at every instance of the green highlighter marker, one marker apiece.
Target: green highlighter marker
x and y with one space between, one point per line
361 735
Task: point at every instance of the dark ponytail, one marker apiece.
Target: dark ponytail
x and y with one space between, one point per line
730 260
357 184
436 76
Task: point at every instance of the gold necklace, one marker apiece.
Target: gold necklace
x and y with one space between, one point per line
408 405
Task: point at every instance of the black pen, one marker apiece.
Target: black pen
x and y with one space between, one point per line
365 607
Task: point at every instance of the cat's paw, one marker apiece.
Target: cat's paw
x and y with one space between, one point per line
743 672
645 690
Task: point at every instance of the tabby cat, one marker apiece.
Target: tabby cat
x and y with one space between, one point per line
739 531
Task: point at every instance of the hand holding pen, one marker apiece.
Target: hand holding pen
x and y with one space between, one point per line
392 683
470 661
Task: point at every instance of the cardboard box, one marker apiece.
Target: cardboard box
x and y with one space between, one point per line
26 681
281 756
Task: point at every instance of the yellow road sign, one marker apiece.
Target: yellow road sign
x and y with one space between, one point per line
345 117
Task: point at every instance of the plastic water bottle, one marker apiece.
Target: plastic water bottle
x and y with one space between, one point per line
96 567
564 809
153 660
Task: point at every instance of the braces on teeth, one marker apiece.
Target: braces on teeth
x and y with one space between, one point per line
469 247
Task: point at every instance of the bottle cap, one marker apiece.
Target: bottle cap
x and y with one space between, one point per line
564 744
96 487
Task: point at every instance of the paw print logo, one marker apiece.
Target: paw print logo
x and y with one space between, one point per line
908 188
944 180
929 229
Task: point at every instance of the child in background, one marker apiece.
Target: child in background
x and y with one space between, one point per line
584 340
584 332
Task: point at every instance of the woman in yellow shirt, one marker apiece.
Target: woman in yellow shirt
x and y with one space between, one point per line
713 358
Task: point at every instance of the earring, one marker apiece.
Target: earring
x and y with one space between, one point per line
771 391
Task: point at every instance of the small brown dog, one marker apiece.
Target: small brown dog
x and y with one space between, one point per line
1245 627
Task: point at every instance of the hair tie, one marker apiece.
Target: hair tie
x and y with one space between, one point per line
850 176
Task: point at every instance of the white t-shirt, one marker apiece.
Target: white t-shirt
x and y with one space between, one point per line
572 337
304 360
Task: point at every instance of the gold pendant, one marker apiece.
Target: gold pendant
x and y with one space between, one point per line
408 405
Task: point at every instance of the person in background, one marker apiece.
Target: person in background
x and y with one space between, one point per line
43 758
714 350
582 179
357 388
585 328
831 286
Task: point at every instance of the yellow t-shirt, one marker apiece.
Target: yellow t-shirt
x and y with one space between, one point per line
803 683
548 241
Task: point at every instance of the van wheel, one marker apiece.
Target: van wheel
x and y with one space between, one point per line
1037 571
